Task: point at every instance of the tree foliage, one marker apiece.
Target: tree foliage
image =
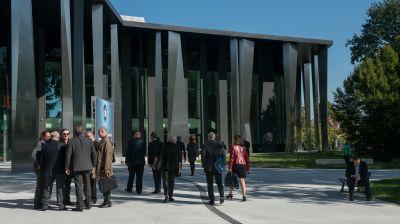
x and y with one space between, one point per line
368 105
381 28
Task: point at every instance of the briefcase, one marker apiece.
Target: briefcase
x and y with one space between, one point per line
108 184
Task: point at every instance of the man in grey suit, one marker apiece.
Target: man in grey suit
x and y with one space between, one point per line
81 158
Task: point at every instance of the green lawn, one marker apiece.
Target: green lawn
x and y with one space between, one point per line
306 160
387 190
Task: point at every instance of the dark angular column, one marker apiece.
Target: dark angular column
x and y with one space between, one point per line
306 88
78 88
323 93
298 109
223 93
126 76
23 101
204 91
289 72
97 34
155 89
40 52
140 85
116 89
66 65
246 56
177 89
235 94
315 84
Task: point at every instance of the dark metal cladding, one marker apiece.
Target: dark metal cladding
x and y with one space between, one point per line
323 93
23 103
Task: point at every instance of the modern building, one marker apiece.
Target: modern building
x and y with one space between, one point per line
56 54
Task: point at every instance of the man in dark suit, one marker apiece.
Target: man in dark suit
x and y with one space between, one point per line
135 160
52 162
211 150
154 152
93 181
65 133
357 175
44 137
81 158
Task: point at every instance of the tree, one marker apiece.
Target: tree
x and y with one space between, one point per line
380 29
368 106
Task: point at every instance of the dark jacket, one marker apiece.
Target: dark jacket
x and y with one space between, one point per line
171 157
247 146
136 152
52 159
212 149
181 147
81 155
363 170
35 155
192 151
154 150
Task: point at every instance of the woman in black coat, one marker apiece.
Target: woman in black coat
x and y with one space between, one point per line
192 152
170 167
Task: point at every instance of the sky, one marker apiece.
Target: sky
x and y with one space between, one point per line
334 20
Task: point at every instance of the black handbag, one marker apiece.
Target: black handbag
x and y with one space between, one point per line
108 184
232 181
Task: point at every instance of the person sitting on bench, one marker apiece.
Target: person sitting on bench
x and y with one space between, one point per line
357 175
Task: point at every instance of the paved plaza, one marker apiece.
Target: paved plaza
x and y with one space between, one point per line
275 196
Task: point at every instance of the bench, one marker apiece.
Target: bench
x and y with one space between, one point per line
343 181
338 161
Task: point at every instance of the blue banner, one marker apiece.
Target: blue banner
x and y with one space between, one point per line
103 115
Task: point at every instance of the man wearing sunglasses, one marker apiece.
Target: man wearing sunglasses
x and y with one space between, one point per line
65 133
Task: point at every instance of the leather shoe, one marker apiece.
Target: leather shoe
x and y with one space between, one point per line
128 190
211 203
221 200
77 209
106 205
171 199
62 208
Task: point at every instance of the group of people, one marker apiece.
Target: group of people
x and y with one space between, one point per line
63 159
166 159
85 160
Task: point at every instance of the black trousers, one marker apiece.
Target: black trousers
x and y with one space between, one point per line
351 183
135 170
107 197
47 189
82 186
192 167
67 189
168 183
37 201
157 180
346 159
210 175
93 182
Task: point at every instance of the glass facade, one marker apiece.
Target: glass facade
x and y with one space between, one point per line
5 109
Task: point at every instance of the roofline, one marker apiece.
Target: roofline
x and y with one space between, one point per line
216 32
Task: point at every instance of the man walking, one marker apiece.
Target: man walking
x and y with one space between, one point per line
65 133
103 168
93 180
135 160
81 157
52 162
153 159
212 150
44 137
